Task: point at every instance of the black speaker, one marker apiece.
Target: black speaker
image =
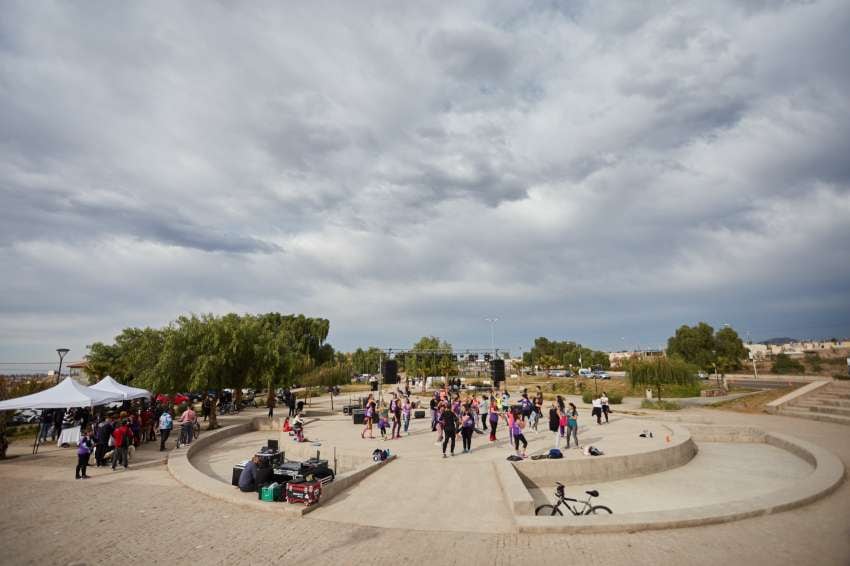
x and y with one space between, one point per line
358 416
390 371
497 371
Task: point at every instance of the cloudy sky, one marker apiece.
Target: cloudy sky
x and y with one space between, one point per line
601 172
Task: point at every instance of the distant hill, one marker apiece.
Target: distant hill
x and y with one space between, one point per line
777 341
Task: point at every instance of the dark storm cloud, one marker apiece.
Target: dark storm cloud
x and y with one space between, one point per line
603 172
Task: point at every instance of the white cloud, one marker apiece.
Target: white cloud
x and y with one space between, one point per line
588 172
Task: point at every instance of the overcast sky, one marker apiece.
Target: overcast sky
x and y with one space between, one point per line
601 172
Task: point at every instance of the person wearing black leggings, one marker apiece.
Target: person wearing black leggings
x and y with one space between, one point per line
467 427
448 420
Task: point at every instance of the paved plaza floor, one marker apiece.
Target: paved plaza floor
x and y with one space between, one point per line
143 515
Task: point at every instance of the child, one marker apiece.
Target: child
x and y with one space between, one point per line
83 453
382 426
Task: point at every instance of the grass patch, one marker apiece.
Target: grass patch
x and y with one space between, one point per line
660 405
754 403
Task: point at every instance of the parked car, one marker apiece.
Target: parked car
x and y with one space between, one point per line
585 372
702 375
557 373
601 374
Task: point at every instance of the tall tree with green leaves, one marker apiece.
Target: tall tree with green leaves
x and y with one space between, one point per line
701 346
659 371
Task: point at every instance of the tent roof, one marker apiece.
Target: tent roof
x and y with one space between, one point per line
109 385
68 393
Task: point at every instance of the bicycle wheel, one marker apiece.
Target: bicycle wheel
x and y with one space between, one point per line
547 510
196 431
598 510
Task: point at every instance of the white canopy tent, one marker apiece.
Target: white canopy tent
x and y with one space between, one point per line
109 385
68 393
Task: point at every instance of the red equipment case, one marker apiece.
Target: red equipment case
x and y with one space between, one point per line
307 492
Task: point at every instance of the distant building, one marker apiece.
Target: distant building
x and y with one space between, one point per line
79 371
798 348
758 351
618 358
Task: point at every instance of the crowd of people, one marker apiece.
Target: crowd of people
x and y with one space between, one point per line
454 413
113 437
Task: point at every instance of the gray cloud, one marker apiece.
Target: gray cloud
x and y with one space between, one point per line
581 170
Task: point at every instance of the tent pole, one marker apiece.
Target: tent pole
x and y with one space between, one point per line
37 436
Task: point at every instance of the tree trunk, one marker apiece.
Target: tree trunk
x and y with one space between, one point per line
214 413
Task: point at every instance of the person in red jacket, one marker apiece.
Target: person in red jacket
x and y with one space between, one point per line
122 437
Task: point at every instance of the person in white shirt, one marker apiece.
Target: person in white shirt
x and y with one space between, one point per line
597 409
605 408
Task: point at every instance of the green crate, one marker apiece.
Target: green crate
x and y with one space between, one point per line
270 492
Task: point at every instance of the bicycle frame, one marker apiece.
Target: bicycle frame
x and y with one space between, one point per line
574 509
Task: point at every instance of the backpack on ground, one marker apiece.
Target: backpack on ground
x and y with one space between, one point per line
555 453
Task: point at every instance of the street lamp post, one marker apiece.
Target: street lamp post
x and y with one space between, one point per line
62 353
492 322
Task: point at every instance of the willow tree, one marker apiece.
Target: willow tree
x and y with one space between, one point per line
657 372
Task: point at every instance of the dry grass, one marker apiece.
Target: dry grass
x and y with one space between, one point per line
754 403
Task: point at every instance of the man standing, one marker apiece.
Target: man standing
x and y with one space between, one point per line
103 434
166 423
46 423
122 437
58 418
206 405
291 402
271 400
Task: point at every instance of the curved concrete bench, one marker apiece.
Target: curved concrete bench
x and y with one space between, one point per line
180 467
828 474
544 473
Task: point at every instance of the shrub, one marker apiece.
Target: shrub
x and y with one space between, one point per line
660 405
841 376
785 365
689 390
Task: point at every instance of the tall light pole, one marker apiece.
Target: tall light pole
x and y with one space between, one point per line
62 353
492 322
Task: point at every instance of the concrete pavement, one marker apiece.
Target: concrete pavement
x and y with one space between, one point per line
46 515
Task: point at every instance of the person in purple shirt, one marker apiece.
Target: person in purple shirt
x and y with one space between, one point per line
83 453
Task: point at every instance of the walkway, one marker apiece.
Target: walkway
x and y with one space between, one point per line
46 515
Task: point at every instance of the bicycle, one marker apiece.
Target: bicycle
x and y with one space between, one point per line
196 432
585 509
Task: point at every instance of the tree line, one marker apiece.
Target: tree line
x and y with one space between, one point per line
552 353
209 352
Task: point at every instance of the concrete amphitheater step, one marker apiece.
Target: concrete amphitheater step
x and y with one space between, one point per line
829 402
818 408
806 414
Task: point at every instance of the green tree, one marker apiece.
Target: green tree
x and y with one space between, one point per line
701 346
567 353
784 364
658 371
